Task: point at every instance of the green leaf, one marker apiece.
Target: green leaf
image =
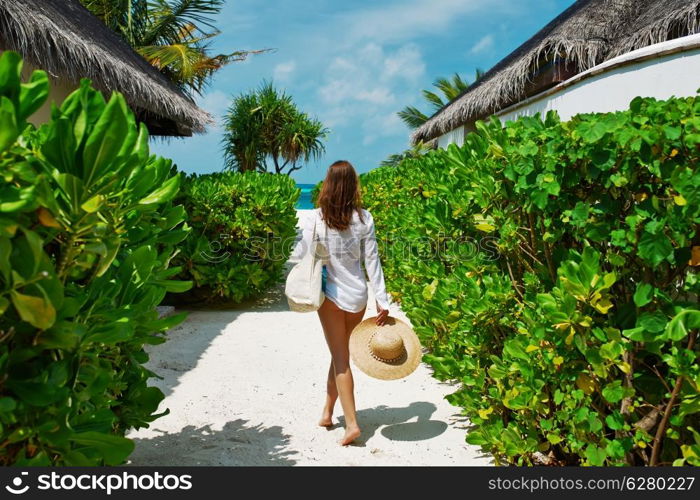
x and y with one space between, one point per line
653 322
655 248
113 449
678 328
175 286
166 323
429 290
113 246
615 421
165 193
93 204
105 139
614 392
36 311
592 131
112 333
9 129
10 72
63 335
595 455
35 393
672 133
33 94
14 199
689 406
554 438
7 404
643 294
616 449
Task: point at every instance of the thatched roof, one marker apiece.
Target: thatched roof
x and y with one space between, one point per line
64 38
586 34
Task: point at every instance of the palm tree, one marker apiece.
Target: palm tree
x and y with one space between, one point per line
450 90
173 35
264 130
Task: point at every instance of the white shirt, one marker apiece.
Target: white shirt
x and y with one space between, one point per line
346 285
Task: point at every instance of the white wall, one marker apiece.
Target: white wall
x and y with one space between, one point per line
453 136
612 85
662 70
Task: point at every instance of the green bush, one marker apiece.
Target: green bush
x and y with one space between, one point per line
243 228
315 191
86 234
551 268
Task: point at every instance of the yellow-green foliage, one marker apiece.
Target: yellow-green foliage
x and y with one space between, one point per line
87 230
551 268
243 227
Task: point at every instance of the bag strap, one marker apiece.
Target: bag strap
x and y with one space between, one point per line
322 235
313 231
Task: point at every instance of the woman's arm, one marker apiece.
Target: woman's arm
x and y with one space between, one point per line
374 266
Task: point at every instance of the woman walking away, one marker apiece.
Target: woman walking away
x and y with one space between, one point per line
349 238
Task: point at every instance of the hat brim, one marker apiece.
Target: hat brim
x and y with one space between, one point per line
362 356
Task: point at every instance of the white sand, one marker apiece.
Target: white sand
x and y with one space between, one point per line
246 387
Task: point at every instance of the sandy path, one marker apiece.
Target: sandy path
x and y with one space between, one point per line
245 387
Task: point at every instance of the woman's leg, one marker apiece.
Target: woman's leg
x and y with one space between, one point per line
333 320
351 321
331 397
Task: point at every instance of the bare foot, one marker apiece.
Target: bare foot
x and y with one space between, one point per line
326 419
351 434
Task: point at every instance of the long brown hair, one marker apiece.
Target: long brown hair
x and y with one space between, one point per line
340 196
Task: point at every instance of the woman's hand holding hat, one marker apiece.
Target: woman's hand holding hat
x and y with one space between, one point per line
382 315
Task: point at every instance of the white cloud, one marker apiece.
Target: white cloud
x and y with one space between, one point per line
383 125
367 86
283 71
484 44
378 95
377 68
406 63
215 102
405 19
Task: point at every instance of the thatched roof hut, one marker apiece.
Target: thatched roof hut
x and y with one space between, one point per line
583 36
65 39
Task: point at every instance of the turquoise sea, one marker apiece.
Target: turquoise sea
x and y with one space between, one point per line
304 202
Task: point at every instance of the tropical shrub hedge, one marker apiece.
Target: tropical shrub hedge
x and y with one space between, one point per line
87 230
552 269
315 191
243 228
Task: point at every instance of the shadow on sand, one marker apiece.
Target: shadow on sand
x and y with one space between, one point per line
187 342
238 443
395 422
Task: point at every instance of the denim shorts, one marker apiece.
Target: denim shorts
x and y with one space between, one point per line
324 277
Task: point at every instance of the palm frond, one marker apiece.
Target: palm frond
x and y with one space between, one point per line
435 100
412 116
174 35
168 17
416 151
451 88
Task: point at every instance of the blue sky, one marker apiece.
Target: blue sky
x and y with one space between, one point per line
355 64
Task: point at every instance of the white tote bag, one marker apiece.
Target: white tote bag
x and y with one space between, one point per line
303 287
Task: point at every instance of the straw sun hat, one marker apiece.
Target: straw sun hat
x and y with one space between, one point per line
387 352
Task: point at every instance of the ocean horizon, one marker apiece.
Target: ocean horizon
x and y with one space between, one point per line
304 202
